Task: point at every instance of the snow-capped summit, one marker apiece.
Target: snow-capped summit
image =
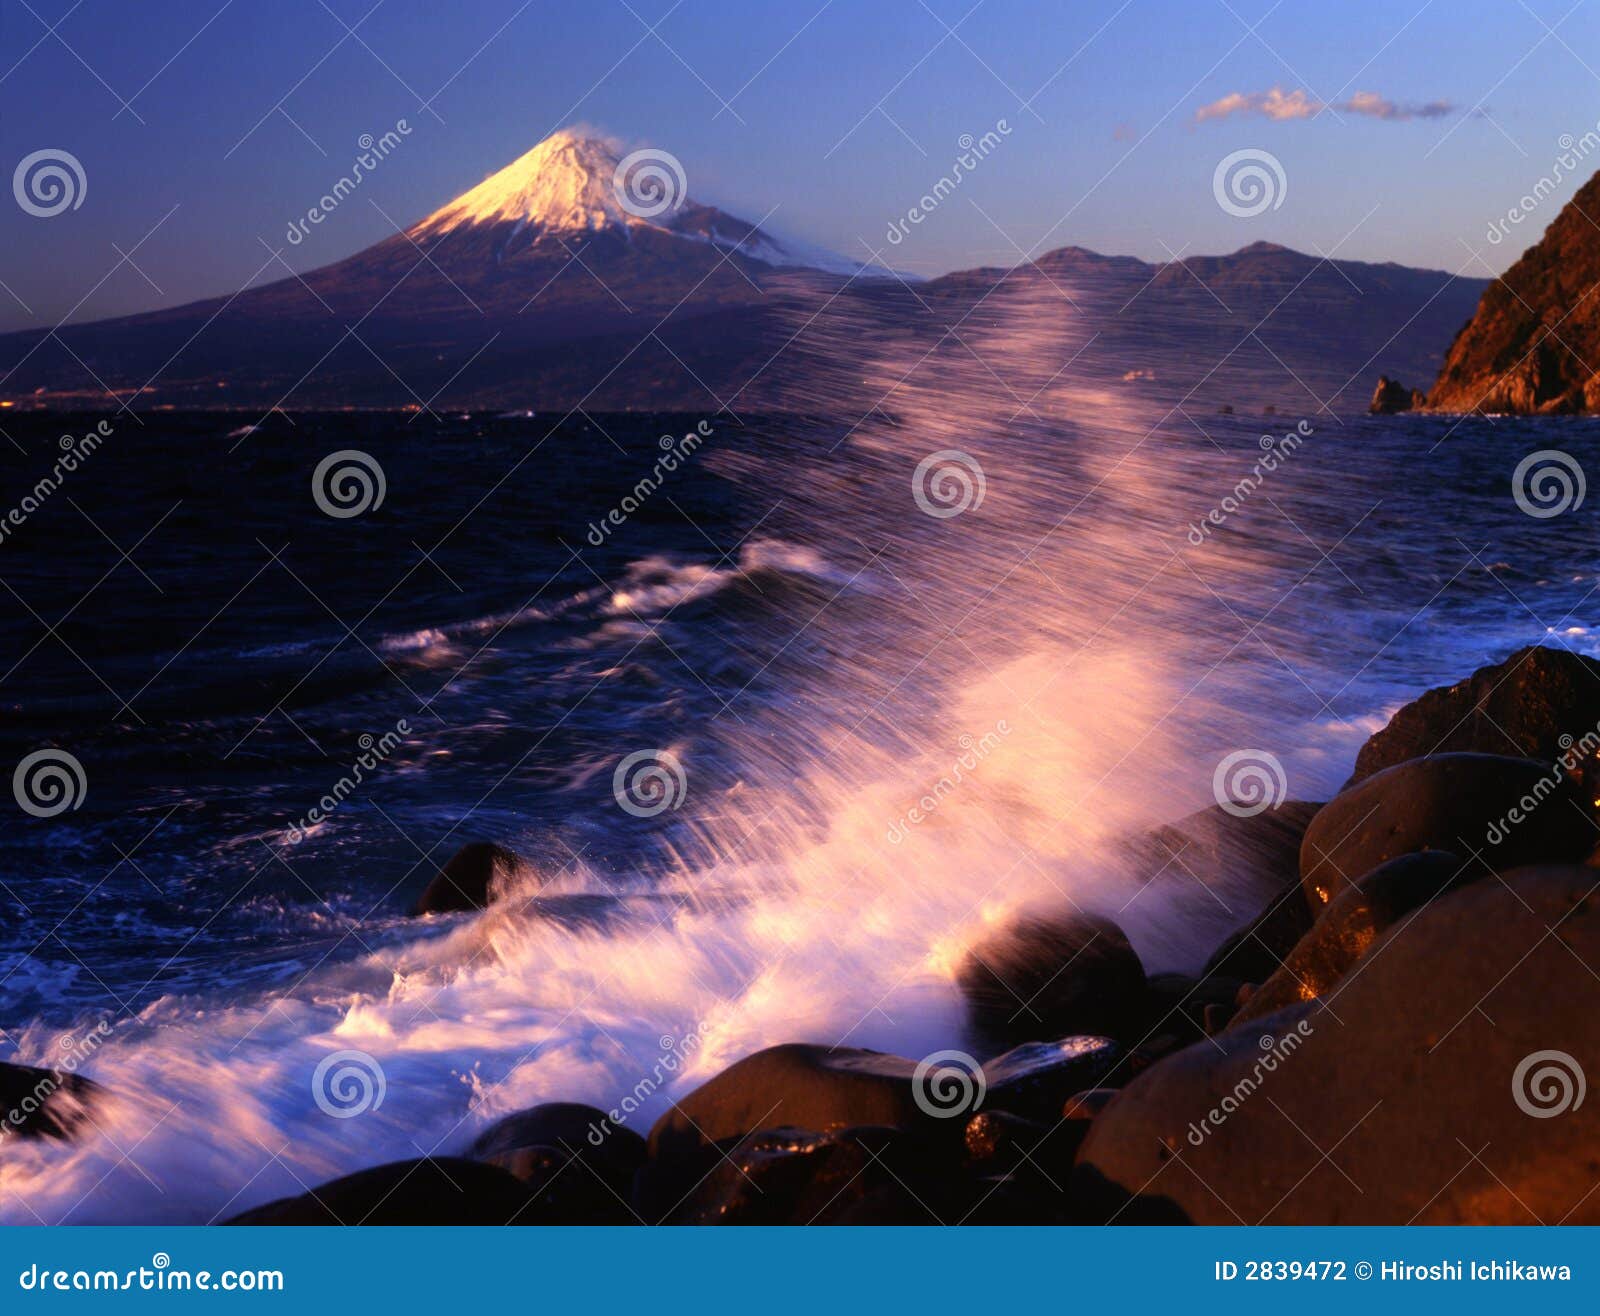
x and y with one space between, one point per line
581 184
570 182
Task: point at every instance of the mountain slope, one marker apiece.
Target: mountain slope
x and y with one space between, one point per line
570 278
1533 344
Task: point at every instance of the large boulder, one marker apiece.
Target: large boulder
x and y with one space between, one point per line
795 1085
577 1164
1050 977
1347 928
1505 811
42 1103
468 879
440 1190
1440 1083
1540 703
1223 848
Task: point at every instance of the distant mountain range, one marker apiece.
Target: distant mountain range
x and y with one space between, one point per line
577 276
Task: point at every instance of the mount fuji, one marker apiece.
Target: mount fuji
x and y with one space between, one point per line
572 267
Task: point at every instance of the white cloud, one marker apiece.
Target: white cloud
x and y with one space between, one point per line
1279 105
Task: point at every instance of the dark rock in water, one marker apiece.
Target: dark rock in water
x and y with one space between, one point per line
1509 811
467 880
441 1190
1052 976
800 1177
1346 929
1224 851
42 1103
1391 397
1034 1079
1254 952
539 1147
1448 1090
795 1085
1540 703
998 1143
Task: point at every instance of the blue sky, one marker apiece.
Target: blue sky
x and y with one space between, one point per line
222 123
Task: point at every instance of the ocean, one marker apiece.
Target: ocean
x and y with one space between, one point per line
777 729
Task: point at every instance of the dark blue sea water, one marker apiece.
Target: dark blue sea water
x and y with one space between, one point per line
779 620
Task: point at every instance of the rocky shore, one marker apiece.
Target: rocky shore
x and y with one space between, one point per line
1398 1036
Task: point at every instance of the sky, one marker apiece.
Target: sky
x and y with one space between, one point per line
1405 130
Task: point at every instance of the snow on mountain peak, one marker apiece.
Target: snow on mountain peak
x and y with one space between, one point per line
571 182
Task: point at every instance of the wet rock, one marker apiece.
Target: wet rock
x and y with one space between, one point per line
1237 859
1175 1005
1540 703
1391 397
795 1085
1254 952
1513 811
441 1190
1052 976
42 1103
468 879
1032 1080
1349 925
1084 1106
540 1145
802 1177
1446 1091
